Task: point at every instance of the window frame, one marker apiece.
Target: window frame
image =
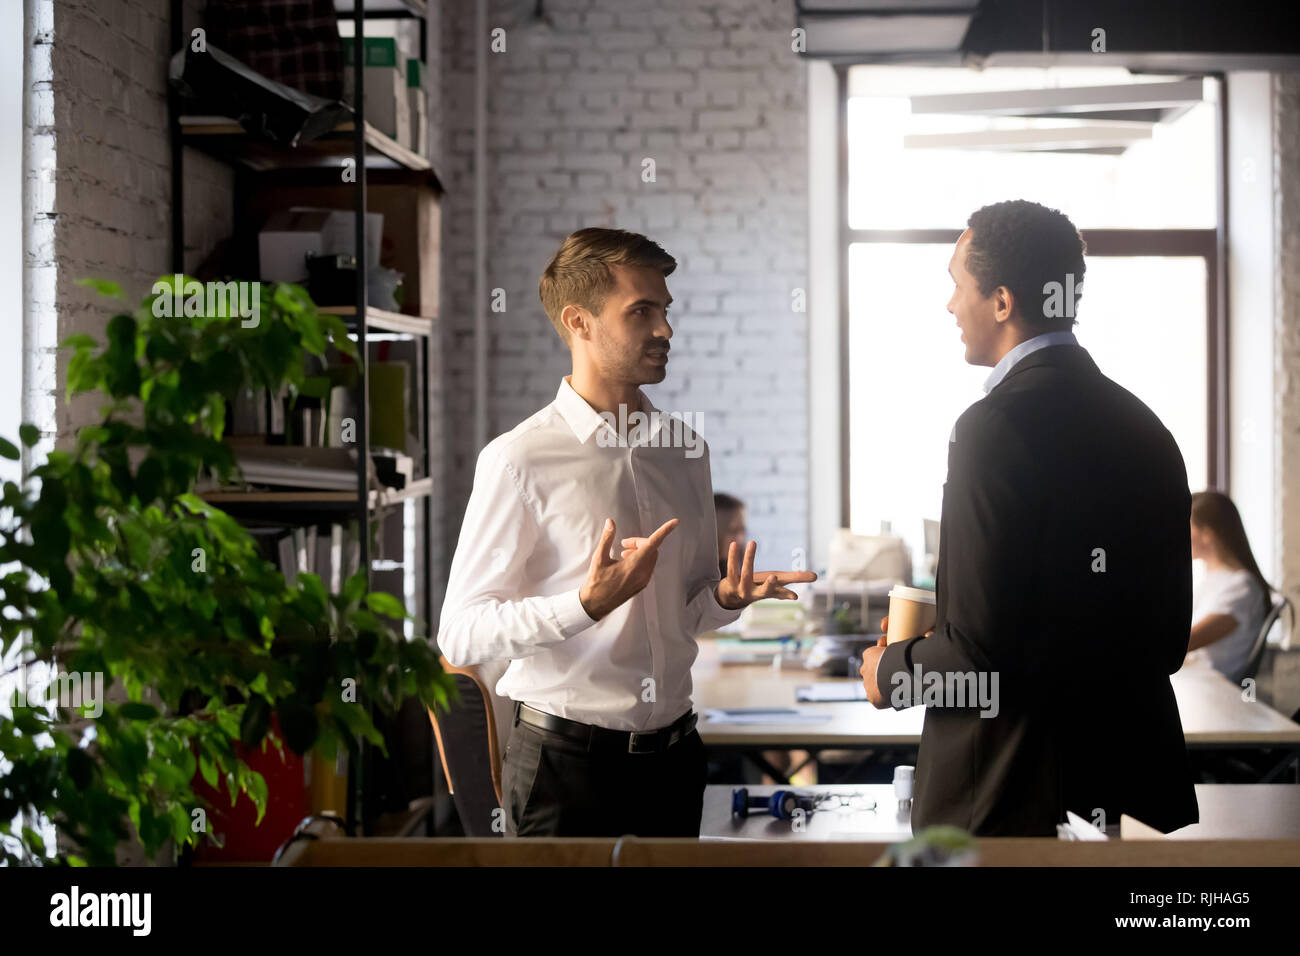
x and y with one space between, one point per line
1209 244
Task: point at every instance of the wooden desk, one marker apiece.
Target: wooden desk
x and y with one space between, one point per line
1248 811
1214 716
457 851
853 724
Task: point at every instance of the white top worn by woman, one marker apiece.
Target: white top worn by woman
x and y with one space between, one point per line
1237 594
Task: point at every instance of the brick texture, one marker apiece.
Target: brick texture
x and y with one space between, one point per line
110 163
712 93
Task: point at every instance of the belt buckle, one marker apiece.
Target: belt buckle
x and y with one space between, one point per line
631 743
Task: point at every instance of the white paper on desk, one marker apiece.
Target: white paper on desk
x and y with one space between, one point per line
830 692
1081 829
763 716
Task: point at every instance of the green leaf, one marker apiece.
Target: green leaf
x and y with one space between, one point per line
228 722
354 588
138 711
255 785
208 770
382 603
79 341
312 585
9 450
29 434
103 287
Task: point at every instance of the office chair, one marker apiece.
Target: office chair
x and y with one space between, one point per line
471 737
1261 640
1232 768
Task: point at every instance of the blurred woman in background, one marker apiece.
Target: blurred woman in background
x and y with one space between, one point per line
1231 600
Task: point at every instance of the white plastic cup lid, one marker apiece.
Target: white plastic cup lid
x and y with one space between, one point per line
920 595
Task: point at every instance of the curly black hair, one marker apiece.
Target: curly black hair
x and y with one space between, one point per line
1024 246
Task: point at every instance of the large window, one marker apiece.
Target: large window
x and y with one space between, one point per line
1136 174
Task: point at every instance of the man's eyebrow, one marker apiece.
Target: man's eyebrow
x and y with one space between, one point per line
656 302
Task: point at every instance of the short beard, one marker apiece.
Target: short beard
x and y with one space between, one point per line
618 366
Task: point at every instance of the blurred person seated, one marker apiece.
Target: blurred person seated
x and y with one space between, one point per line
1232 598
730 512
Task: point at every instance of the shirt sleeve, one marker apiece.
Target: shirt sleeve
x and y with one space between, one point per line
1233 598
486 614
703 612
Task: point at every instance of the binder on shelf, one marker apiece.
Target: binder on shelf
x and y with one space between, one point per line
388 405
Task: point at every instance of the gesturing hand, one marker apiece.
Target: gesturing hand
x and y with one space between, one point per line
743 586
611 581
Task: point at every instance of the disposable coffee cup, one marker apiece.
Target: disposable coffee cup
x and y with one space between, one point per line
912 612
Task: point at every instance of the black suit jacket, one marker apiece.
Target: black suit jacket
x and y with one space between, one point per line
1064 567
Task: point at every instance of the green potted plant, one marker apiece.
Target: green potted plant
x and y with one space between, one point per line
113 566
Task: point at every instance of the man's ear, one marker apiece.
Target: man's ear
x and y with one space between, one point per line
1004 304
576 320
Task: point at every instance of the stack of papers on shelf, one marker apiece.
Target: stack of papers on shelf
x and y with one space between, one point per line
772 618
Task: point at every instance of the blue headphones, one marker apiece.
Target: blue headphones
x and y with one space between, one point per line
781 804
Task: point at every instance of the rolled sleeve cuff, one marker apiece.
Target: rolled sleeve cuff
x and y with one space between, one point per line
712 614
570 616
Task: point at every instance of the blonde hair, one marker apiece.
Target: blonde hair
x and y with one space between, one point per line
579 273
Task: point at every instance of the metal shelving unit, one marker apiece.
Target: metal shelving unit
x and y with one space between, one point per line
370 150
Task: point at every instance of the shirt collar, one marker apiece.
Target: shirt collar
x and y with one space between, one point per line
584 420
1027 347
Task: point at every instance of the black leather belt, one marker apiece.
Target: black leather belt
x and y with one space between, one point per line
647 742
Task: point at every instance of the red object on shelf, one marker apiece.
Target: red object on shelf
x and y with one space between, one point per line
288 800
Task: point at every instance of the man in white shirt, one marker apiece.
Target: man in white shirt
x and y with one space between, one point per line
600 644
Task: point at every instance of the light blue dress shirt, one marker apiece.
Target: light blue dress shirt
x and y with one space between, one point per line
1027 347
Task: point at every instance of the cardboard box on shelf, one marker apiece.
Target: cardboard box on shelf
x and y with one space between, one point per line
411 228
387 107
290 234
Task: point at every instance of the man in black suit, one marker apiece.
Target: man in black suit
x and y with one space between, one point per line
1064 578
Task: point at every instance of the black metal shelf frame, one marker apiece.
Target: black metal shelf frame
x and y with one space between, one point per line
363 503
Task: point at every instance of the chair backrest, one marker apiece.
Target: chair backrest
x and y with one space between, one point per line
471 740
1261 639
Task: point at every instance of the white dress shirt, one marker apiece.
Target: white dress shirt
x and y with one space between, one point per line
1027 347
1236 594
541 495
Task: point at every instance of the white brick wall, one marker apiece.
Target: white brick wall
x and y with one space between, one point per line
713 94
111 201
